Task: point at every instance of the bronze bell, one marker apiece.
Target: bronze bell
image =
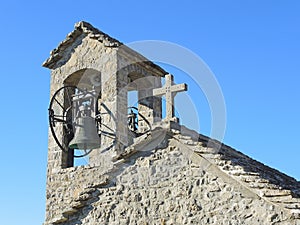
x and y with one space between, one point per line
86 135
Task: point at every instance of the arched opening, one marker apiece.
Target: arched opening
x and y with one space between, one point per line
140 96
86 94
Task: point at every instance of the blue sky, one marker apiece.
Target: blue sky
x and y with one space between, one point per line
252 47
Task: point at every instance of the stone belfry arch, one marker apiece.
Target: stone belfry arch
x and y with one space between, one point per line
160 172
87 51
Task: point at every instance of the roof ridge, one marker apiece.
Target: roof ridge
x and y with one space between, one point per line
95 33
80 28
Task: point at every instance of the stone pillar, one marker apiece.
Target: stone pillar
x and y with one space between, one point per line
57 159
121 112
149 107
113 110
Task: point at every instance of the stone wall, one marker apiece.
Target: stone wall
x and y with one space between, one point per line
165 187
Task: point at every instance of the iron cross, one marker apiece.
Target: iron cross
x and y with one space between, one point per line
170 91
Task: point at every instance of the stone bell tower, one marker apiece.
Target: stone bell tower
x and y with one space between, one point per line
89 59
87 54
142 168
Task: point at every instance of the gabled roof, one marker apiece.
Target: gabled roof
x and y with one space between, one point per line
79 29
84 28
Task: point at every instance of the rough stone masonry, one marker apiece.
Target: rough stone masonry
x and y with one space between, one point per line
167 175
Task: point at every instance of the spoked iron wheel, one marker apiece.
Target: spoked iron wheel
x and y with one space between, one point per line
134 110
61 119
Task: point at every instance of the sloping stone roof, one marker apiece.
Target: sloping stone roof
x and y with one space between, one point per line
255 177
87 29
264 181
80 28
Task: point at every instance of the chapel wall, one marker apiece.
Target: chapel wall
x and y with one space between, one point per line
168 188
